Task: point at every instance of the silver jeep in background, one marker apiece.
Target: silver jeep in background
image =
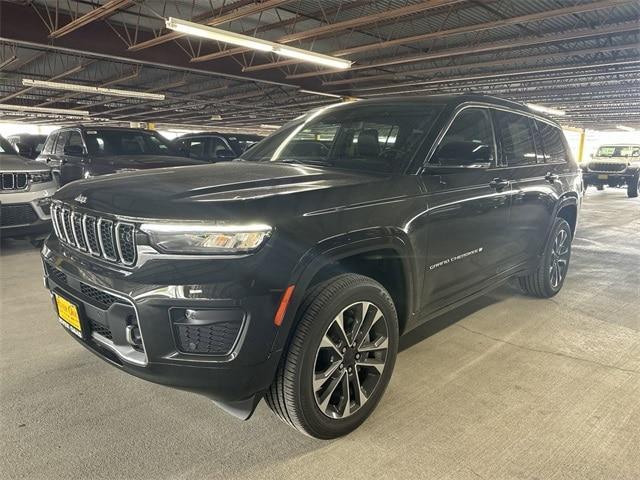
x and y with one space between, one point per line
614 166
26 187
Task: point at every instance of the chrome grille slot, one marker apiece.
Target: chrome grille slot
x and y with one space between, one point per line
99 236
14 181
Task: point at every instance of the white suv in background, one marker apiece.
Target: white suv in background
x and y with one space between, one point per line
26 187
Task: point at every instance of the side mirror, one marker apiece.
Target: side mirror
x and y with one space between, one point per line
74 150
463 154
23 149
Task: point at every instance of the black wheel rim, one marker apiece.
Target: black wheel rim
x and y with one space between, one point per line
350 360
559 258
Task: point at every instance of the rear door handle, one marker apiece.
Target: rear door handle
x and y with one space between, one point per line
498 183
551 177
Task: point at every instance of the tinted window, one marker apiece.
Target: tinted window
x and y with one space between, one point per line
367 137
127 142
219 148
552 142
48 146
468 141
74 139
516 138
63 138
195 147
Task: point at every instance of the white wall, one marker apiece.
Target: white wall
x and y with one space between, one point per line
7 129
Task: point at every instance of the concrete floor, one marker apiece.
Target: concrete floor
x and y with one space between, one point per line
506 387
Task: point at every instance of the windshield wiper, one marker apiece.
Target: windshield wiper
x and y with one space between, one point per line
323 163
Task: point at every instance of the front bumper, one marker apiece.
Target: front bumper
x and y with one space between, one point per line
607 178
26 213
171 349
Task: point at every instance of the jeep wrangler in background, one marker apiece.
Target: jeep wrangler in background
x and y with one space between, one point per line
615 166
290 274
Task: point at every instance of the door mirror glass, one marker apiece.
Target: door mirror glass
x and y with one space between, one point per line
74 150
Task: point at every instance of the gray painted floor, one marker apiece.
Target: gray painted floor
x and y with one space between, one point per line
506 387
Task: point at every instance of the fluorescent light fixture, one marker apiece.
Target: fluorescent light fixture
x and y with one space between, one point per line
216 117
73 87
543 109
625 128
56 111
232 38
322 94
270 127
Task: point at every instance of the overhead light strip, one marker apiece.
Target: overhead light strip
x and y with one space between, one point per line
56 111
625 128
232 38
547 110
74 87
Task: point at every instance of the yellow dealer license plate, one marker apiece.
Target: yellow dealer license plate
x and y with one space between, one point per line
603 177
68 315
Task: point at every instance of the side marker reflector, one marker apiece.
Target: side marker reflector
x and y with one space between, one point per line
284 303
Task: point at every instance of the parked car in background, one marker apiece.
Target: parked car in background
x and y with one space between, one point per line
291 274
215 147
614 166
83 152
26 188
27 145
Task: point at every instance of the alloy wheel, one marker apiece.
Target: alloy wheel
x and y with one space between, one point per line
350 360
559 258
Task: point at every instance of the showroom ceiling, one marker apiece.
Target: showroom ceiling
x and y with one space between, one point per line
581 57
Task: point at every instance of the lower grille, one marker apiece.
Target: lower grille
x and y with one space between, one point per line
101 329
18 214
607 167
57 275
212 339
103 298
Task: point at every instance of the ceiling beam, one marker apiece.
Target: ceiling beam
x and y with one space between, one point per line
99 13
532 17
212 22
341 26
518 42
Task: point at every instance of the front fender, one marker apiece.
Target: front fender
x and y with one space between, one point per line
338 248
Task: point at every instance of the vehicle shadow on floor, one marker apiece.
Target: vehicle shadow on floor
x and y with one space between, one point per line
445 320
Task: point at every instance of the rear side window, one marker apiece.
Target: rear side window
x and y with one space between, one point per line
552 142
516 136
62 141
48 146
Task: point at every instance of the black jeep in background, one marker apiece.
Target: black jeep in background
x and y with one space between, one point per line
84 152
215 147
290 273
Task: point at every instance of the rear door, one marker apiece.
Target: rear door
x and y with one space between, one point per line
468 210
534 185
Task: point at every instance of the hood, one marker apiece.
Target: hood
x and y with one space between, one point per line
141 162
15 163
221 190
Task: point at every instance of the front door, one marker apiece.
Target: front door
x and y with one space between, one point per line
468 210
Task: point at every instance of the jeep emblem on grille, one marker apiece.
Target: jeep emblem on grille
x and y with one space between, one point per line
81 199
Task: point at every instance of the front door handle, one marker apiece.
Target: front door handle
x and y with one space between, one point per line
498 183
551 177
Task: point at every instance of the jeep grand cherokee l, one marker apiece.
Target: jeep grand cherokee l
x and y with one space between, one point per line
84 152
291 277
26 188
615 166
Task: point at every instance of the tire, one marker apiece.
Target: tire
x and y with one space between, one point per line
305 400
633 186
543 283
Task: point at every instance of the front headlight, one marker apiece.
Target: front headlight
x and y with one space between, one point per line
205 239
41 177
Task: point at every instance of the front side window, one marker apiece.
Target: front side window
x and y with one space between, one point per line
219 149
63 138
552 143
130 143
468 141
48 145
369 137
75 139
516 139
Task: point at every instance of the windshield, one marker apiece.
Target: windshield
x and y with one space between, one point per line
5 147
367 137
619 151
129 143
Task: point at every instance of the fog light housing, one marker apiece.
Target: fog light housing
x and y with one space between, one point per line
207 331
